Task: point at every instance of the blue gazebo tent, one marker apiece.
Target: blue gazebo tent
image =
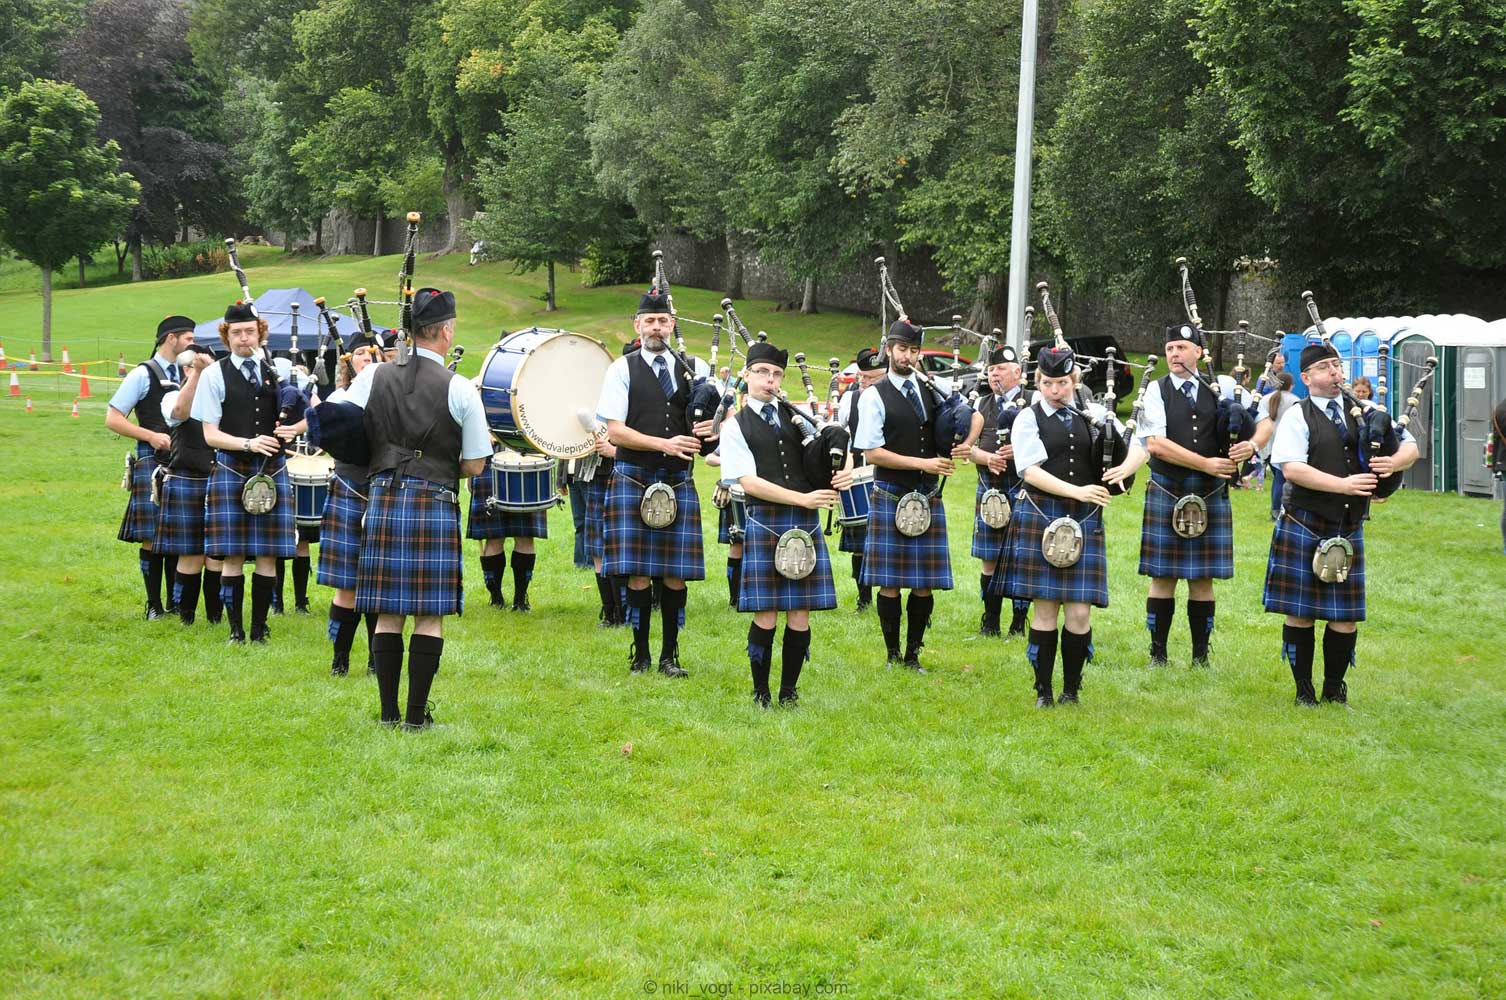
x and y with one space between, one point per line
275 305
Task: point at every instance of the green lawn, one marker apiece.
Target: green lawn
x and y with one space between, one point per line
181 818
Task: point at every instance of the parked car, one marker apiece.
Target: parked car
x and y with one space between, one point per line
1097 377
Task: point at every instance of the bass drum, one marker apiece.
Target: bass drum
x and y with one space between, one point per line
536 383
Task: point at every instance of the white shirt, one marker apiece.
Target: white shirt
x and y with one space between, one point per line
464 402
1153 416
1292 437
168 402
613 403
871 411
737 458
137 382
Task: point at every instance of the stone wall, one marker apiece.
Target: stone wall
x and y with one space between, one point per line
347 234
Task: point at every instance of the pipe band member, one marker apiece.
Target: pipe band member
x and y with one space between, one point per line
493 527
183 486
871 367
993 454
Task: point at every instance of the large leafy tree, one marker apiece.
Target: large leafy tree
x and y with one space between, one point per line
278 195
30 31
61 190
352 152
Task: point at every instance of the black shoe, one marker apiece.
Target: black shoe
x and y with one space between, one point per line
276 608
340 665
1157 656
604 620
370 664
155 612
640 665
413 727
669 666
497 599
238 636
170 606
522 605
912 662
1339 695
302 607
762 699
892 660
863 605
988 631
213 619
789 699
1044 700
1305 699
186 618
1200 658
260 633
1067 698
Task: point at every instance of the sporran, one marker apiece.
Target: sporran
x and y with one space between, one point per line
912 514
993 508
795 554
1189 518
658 506
259 494
1062 542
1333 560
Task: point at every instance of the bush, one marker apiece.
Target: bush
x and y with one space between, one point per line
179 260
617 264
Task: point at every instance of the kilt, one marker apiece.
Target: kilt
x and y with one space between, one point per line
762 588
410 550
893 560
635 549
1291 586
1028 576
483 523
340 533
180 516
228 529
596 515
308 532
854 537
140 521
1164 553
987 542
724 525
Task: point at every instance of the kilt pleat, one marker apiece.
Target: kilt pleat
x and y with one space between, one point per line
340 533
854 537
724 525
762 587
229 530
635 549
482 523
596 514
1028 576
1291 586
891 559
1164 553
180 515
139 524
410 550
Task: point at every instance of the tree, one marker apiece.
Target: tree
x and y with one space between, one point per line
278 195
31 30
61 190
354 117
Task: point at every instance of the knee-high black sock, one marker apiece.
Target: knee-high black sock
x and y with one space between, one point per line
282 567
888 616
1159 612
918 616
1200 623
232 595
1040 653
492 568
387 655
671 620
300 580
1338 657
424 652
797 647
151 577
605 591
371 620
1297 650
865 592
734 579
640 617
760 655
1019 616
169 580
522 573
262 589
993 603
1076 650
213 606
342 627
186 592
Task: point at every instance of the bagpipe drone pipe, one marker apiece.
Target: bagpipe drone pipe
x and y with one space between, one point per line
1234 423
954 416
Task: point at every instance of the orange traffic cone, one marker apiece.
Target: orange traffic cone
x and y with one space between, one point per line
120 368
67 365
15 384
83 382
33 360
75 409
28 404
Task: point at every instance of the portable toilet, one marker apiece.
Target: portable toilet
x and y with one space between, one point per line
1291 350
1437 425
1482 384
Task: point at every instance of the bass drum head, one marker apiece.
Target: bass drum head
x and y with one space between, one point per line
310 469
557 375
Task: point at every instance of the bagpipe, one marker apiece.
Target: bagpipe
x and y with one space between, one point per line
1379 436
953 416
1234 422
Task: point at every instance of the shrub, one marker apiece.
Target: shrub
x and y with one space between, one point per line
179 260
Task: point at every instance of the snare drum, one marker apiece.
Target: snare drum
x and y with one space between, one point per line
737 503
523 482
856 498
309 476
536 383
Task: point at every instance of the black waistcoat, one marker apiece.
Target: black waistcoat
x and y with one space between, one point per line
650 413
777 453
1069 450
248 411
991 405
1326 453
190 456
905 435
1194 427
409 424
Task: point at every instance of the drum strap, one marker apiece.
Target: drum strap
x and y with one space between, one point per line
1097 511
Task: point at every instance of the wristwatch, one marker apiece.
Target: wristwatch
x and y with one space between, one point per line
246 445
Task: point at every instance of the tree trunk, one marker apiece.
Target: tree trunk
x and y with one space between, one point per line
287 241
808 297
136 272
319 235
120 255
1225 279
454 198
733 280
987 311
549 299
46 312
376 248
81 272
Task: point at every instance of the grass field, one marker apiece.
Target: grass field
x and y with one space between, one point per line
178 818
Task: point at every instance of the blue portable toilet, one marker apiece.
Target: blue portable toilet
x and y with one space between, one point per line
1291 350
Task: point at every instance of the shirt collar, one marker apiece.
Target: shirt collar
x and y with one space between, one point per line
1051 408
649 357
1178 381
898 382
424 352
164 362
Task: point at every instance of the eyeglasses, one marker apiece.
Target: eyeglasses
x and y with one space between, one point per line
1333 366
763 372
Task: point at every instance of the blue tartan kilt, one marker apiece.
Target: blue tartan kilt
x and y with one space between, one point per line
1291 586
1028 576
140 521
854 538
635 549
180 515
987 541
229 530
724 525
891 559
1164 553
483 523
340 533
762 588
596 516
410 550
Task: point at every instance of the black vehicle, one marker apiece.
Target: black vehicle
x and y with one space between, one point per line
1096 379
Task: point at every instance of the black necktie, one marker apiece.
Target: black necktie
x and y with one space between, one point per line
662 370
914 398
